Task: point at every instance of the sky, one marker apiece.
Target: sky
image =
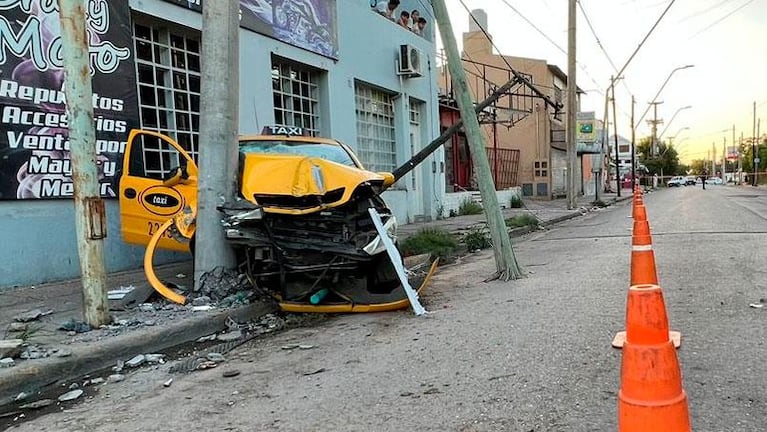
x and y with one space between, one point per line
725 40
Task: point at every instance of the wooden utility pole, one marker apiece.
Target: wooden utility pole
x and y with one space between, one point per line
90 215
219 128
505 261
572 107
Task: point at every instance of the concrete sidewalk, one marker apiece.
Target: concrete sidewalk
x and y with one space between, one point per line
52 355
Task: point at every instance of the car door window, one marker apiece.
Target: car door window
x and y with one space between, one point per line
153 158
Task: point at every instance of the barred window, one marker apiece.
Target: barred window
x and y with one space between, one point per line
375 128
295 91
168 71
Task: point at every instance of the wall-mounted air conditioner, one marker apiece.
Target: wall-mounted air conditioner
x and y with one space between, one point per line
409 61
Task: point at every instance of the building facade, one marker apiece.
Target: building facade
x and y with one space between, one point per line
521 127
332 67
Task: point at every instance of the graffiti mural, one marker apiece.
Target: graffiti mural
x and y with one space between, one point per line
307 24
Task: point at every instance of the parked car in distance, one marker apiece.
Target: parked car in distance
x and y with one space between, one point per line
714 181
676 181
690 181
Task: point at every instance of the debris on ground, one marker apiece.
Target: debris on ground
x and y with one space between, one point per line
201 301
231 373
146 307
118 294
7 362
756 305
10 347
136 361
168 382
17 327
230 336
115 378
315 372
97 381
32 315
221 283
75 326
32 352
155 358
42 403
71 395
216 357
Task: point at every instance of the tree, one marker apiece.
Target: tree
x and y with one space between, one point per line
697 166
666 162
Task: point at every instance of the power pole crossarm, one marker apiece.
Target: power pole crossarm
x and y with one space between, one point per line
505 261
437 143
89 208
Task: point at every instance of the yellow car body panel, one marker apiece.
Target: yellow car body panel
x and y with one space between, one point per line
262 174
288 175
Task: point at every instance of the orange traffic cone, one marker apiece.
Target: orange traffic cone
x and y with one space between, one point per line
643 271
651 397
638 201
642 256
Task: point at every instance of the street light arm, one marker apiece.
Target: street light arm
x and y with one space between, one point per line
660 90
672 119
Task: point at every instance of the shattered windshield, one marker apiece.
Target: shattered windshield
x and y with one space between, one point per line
331 152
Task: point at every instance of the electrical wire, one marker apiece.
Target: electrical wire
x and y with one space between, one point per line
580 66
722 18
594 33
699 13
516 74
599 43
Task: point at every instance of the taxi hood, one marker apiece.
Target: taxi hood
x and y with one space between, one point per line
291 184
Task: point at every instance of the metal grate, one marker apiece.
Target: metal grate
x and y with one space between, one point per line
168 71
505 168
295 91
375 128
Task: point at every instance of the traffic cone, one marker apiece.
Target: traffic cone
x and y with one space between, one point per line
651 397
638 201
642 256
643 271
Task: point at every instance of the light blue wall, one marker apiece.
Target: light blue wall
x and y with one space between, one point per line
37 240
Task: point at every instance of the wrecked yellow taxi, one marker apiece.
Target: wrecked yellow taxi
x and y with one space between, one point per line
301 226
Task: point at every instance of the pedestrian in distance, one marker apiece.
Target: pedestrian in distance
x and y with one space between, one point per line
703 177
413 23
419 30
404 19
385 7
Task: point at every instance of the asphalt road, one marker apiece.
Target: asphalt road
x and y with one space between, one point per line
527 355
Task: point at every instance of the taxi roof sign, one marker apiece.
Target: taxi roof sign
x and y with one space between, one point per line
284 130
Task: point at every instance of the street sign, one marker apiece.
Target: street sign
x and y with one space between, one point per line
586 131
757 160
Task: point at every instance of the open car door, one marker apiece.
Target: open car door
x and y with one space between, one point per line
159 180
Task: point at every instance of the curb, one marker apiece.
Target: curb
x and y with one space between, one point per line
34 375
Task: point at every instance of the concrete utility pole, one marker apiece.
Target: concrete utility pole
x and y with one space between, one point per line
617 153
219 114
572 107
505 261
633 146
90 220
655 122
753 149
724 160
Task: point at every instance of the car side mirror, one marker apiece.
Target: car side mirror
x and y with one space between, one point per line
177 175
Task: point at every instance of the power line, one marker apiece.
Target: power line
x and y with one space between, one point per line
582 68
599 43
519 77
699 13
722 18
594 33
